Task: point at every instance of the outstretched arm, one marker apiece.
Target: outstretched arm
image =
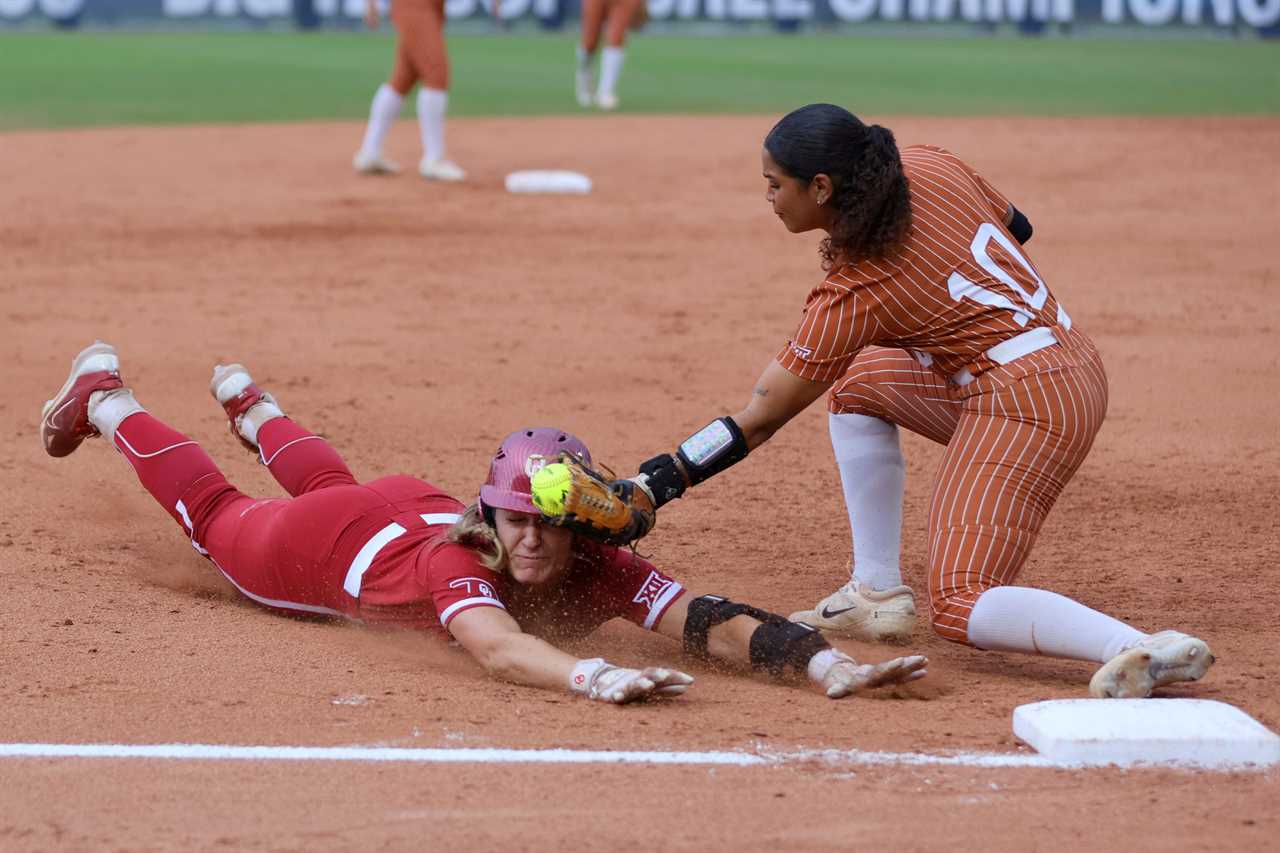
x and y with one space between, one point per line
573 496
709 626
779 395
494 639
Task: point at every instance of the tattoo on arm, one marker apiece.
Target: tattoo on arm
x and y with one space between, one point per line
760 391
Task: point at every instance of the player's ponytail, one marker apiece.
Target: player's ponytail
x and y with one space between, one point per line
886 197
473 531
870 193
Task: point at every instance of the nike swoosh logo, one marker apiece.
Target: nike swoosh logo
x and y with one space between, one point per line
828 613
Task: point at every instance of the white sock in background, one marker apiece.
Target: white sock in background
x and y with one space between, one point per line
1036 621
872 472
382 114
582 83
432 104
610 69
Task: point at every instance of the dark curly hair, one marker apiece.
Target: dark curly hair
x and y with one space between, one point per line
871 196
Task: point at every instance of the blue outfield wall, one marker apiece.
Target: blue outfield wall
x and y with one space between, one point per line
1224 17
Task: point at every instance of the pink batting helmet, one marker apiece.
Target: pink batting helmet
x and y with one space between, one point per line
519 457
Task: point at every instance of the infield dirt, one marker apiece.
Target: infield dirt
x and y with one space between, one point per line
414 324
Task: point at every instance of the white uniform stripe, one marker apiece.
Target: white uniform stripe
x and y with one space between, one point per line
283 605
120 438
364 558
191 531
476 601
668 595
286 446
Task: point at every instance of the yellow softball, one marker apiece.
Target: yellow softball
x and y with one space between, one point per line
550 485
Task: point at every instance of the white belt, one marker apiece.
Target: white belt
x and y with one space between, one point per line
364 558
1011 350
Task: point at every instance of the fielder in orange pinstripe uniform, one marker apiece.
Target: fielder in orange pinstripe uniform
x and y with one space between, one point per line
421 57
932 317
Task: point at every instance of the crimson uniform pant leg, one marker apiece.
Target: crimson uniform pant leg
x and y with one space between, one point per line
275 551
176 471
300 461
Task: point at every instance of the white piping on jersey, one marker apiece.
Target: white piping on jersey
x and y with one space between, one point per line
660 606
186 519
368 551
364 558
482 600
1014 348
283 605
125 442
282 449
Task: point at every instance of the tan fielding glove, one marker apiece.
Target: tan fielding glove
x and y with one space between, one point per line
615 512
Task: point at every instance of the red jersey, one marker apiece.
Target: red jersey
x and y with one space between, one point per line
411 575
959 292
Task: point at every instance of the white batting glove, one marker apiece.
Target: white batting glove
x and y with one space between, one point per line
604 682
841 676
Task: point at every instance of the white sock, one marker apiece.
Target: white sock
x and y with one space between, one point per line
1036 621
610 69
253 420
108 409
872 473
584 59
382 114
432 104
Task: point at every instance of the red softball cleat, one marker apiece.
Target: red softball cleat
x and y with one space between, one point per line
64 420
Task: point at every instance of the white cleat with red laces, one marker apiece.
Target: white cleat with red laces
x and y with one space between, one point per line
248 407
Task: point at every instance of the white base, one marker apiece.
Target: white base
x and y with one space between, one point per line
548 181
1125 732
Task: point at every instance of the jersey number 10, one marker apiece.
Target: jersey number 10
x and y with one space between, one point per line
960 287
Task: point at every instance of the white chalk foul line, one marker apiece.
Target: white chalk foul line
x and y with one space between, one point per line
200 751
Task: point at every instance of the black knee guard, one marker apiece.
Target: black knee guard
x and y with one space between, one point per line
705 613
775 645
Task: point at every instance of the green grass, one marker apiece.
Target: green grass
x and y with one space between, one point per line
75 79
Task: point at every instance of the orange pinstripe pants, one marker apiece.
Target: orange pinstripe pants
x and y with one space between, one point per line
1011 448
421 55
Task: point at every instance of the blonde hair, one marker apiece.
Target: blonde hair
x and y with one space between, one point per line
475 533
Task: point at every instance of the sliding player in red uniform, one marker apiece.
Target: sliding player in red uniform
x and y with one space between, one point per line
398 551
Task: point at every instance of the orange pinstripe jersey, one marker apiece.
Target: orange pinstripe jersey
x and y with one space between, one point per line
957 286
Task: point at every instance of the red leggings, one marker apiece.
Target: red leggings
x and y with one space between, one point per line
279 552
1010 452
